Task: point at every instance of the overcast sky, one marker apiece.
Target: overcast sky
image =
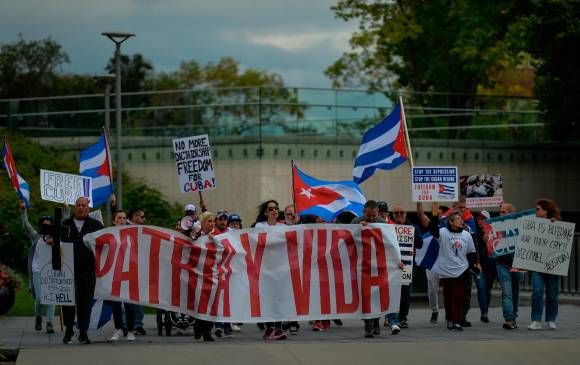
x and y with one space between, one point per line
295 38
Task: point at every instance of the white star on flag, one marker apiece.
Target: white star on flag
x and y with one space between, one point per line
307 193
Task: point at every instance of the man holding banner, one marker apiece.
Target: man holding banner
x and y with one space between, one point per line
79 225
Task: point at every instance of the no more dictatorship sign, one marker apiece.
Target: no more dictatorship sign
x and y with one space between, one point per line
194 163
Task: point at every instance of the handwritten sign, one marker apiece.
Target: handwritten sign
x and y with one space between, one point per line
405 235
58 286
64 188
435 184
194 164
544 246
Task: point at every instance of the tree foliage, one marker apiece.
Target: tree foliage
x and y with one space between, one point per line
135 71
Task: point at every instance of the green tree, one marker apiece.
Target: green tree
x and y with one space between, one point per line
552 37
135 70
445 46
29 68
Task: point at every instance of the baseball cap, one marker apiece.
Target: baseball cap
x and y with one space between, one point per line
234 218
189 208
221 214
485 214
383 207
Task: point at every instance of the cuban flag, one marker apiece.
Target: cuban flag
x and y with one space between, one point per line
20 185
95 162
101 313
446 189
383 147
426 256
325 199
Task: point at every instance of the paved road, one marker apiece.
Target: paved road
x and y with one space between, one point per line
421 343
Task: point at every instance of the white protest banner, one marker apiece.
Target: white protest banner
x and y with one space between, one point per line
435 184
544 246
194 164
502 233
405 235
97 214
58 286
281 273
64 188
482 191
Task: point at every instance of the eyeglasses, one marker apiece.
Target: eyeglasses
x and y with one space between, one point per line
271 209
398 213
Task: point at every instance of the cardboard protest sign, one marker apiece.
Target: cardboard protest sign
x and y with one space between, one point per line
64 188
405 235
481 191
544 246
194 164
58 286
279 273
502 233
435 184
97 214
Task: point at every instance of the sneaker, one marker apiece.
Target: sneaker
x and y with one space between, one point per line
535 325
261 326
395 329
235 328
317 326
268 333
509 325
337 322
38 323
434 316
84 339
68 334
369 327
552 325
294 328
484 319
116 335
219 332
403 324
326 325
49 327
455 327
465 324
130 336
140 331
278 335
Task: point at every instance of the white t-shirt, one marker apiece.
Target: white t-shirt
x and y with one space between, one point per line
453 250
41 252
265 224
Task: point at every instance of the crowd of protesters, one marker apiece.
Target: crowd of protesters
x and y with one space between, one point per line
463 258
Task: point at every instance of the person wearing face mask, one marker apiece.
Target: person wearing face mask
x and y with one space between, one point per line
78 226
40 249
547 209
457 259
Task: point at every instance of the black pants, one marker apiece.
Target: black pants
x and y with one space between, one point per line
467 296
84 292
118 315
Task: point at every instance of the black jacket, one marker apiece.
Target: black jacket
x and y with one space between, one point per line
83 256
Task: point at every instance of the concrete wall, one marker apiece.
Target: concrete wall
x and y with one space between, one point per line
244 179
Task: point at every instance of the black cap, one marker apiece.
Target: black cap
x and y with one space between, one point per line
383 207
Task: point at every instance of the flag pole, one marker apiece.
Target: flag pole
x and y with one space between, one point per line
293 192
407 140
108 205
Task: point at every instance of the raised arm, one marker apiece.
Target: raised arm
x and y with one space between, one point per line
423 219
30 231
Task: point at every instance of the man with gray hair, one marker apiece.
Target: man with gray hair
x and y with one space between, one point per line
78 226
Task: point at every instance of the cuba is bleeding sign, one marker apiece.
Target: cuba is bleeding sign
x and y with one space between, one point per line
304 272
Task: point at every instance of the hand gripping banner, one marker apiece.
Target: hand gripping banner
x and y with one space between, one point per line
282 273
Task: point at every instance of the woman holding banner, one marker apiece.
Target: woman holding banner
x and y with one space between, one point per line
207 220
120 219
457 259
546 209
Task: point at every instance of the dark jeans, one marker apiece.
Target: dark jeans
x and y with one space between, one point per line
118 315
454 297
484 281
467 295
84 292
405 303
276 325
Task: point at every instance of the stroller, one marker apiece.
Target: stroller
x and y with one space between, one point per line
167 320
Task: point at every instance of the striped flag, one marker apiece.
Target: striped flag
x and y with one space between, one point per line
95 162
383 147
426 256
101 313
20 185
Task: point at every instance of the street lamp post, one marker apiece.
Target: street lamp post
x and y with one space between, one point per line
106 80
118 38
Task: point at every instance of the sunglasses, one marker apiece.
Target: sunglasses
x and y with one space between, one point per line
271 209
398 213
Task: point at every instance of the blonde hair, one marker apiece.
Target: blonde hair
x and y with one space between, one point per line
205 216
